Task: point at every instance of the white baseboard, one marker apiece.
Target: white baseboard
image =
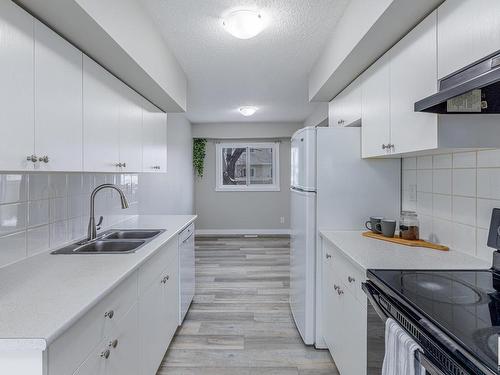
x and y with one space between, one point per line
241 232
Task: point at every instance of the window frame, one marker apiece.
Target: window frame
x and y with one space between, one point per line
219 186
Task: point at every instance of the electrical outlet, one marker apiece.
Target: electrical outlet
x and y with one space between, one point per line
282 220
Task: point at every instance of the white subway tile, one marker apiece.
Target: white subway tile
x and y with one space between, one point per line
424 162
12 248
441 206
13 217
37 240
464 160
488 183
424 203
442 161
75 184
484 208
88 183
464 210
75 206
442 231
99 179
76 228
464 182
38 212
464 239
409 163
58 233
482 249
13 188
441 181
38 186
58 185
488 158
58 209
425 227
409 180
424 181
409 201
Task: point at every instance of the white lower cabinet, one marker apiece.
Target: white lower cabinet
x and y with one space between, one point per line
130 329
344 312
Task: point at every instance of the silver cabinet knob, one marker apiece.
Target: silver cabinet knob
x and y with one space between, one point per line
340 291
351 279
165 279
109 314
336 287
384 147
113 344
328 256
32 158
105 354
44 159
124 165
119 165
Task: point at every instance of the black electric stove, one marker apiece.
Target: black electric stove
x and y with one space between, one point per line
463 305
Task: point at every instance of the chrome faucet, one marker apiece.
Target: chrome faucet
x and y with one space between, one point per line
92 230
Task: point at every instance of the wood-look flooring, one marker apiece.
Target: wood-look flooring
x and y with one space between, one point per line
240 321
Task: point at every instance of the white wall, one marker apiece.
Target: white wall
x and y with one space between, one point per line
319 116
453 195
173 192
230 130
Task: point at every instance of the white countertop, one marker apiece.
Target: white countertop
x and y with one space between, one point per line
42 296
369 253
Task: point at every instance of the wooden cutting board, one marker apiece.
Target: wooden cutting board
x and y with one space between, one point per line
401 241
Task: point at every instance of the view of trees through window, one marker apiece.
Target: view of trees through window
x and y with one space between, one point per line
238 161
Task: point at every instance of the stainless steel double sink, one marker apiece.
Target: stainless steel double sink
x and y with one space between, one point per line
114 241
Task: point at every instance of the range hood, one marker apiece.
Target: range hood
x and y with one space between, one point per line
475 89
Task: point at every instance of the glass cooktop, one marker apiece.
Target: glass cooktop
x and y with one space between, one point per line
464 304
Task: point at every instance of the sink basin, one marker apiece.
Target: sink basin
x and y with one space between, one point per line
131 234
108 246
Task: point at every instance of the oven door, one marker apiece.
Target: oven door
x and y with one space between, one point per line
381 311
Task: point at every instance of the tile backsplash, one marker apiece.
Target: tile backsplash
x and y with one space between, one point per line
453 195
41 211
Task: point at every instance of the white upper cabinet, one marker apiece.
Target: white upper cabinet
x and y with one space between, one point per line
130 129
101 117
413 76
154 139
345 109
58 102
468 30
16 87
376 116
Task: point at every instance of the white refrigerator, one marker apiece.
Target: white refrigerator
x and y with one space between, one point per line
332 188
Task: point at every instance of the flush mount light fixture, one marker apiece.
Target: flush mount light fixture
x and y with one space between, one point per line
247 110
243 24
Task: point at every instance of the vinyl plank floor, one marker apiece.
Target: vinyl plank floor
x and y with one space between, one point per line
240 322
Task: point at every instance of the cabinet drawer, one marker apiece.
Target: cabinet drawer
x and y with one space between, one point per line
68 351
150 271
348 274
186 233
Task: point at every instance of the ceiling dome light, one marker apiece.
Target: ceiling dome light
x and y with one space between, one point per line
243 24
247 110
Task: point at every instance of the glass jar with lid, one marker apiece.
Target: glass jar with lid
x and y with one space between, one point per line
409 226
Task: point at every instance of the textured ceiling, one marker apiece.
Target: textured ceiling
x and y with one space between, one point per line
269 71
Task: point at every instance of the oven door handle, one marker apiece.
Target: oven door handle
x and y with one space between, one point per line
371 292
422 360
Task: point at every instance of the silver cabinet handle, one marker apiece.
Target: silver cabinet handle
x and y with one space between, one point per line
165 279
156 167
384 147
113 344
124 165
340 291
44 159
336 287
105 354
109 314
119 165
351 279
32 158
328 256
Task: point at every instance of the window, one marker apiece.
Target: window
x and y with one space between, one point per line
261 160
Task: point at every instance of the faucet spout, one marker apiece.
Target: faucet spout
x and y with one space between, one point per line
92 230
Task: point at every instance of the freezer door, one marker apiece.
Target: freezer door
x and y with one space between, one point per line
303 159
302 262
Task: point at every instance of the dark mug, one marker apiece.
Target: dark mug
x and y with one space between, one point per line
375 224
388 227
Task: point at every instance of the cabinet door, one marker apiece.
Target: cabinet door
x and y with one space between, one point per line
171 295
468 30
375 121
58 102
152 326
413 77
328 304
130 129
351 105
101 137
154 139
16 87
124 357
96 363
335 111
